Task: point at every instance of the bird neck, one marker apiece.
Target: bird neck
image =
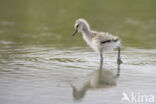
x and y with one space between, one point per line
86 28
87 34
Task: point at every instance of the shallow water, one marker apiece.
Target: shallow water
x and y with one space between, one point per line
40 63
44 75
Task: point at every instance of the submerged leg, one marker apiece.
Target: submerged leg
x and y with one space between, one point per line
118 73
119 61
101 60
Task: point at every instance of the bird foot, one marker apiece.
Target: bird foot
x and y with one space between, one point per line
119 61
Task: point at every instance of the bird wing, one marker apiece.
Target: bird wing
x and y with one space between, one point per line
102 38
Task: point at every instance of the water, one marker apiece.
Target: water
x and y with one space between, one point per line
40 63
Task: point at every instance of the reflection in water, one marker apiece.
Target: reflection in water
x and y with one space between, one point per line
101 78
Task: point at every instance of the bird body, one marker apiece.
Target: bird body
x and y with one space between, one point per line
102 41
99 41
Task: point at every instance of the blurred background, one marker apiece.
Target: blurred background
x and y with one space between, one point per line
39 59
38 22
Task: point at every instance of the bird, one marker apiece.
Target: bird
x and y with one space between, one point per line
98 41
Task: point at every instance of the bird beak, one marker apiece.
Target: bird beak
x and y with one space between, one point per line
74 32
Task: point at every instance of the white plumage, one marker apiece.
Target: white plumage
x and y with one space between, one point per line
99 41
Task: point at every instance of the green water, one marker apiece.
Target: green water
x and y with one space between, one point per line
39 59
51 22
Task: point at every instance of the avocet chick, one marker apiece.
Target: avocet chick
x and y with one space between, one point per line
99 41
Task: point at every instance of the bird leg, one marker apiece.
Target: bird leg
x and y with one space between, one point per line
118 73
101 60
119 61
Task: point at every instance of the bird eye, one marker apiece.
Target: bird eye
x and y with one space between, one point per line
77 26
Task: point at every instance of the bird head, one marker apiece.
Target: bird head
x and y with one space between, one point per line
80 26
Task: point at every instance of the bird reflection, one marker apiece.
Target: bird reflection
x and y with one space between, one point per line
101 78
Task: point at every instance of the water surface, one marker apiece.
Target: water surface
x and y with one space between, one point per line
40 61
